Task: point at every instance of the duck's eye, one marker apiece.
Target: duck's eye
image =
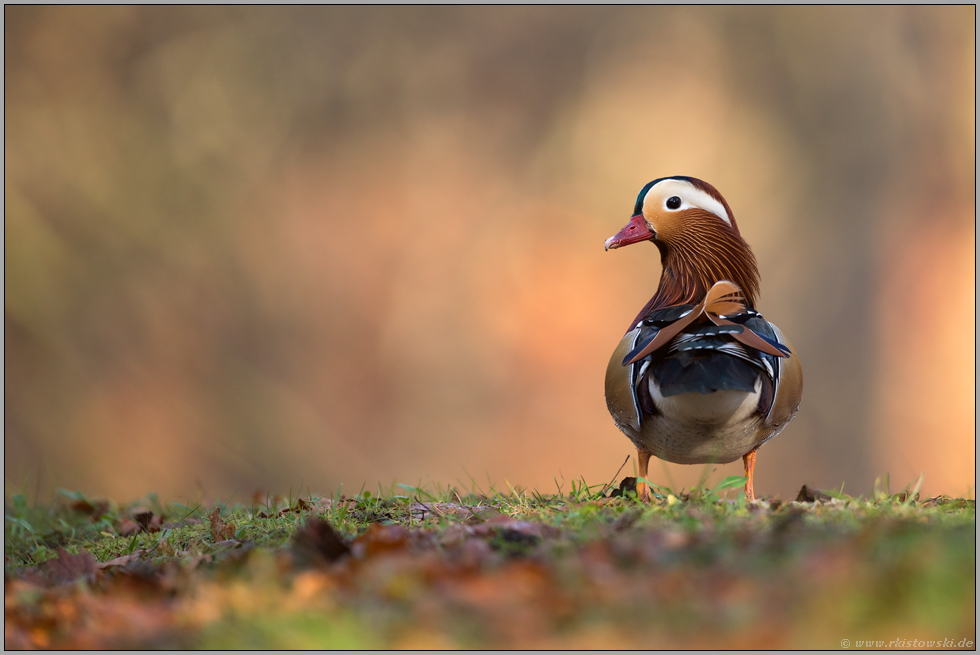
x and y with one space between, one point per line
673 202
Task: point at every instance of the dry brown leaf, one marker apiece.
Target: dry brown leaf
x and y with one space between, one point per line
527 528
72 618
95 509
120 561
220 531
141 515
809 495
317 543
146 519
66 568
128 527
379 539
628 484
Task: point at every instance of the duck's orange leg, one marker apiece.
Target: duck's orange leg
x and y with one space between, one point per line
749 460
642 488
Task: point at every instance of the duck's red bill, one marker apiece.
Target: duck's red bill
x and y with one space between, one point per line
635 231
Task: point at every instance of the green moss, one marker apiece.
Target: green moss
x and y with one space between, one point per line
711 567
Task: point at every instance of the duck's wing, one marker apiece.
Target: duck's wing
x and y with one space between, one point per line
704 356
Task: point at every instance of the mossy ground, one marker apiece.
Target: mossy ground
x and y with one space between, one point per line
439 568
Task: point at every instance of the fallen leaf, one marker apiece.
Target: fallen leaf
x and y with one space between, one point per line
220 531
79 619
527 528
379 539
128 527
96 510
146 519
67 568
300 506
628 484
317 542
145 577
808 495
120 561
142 516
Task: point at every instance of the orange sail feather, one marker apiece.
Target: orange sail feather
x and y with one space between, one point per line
723 298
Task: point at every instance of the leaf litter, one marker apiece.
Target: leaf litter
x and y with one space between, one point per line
583 570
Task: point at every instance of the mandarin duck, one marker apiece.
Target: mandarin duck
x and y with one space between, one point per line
700 377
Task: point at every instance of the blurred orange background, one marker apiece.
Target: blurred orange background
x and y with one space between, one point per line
273 248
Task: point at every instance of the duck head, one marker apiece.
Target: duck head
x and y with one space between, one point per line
693 227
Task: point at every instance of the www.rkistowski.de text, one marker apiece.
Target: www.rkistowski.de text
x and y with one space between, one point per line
908 643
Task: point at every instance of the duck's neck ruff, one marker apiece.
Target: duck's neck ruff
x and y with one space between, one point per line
702 252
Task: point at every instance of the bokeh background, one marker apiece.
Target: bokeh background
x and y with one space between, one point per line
273 248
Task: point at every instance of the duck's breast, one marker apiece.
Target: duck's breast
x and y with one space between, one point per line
696 428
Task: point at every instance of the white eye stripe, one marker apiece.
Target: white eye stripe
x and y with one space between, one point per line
691 197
